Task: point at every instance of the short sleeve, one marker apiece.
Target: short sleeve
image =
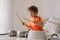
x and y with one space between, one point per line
39 19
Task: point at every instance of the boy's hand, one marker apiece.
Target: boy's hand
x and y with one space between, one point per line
35 21
23 23
39 23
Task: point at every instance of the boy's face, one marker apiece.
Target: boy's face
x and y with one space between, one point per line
32 14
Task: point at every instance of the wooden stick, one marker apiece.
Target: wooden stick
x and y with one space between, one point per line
18 16
26 19
23 18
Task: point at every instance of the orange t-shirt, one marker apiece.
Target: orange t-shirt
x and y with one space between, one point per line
34 26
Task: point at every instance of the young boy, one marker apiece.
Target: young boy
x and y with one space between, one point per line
36 22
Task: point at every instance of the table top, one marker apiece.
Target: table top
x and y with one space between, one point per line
6 37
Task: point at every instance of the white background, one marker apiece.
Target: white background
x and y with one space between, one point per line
47 8
8 9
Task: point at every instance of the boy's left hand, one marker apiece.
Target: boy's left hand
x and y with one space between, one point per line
35 21
39 23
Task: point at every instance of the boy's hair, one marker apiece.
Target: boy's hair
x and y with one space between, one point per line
33 8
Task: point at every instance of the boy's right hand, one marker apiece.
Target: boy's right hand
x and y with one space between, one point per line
23 23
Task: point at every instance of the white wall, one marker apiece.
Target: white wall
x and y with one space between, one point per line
47 8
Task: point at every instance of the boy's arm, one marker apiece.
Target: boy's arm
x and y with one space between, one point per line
23 23
39 23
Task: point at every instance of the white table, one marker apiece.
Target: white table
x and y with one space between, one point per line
6 37
11 38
